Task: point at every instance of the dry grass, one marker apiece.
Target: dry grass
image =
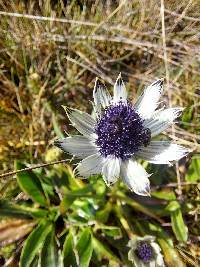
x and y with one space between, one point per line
51 55
53 59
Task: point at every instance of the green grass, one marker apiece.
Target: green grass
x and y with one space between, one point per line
46 63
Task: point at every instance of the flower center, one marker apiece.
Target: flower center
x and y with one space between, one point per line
144 252
121 132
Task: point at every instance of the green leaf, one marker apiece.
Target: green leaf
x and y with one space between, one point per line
85 248
171 255
34 243
165 194
137 206
71 196
187 115
179 228
63 178
36 262
102 251
31 185
172 206
66 203
99 186
193 173
112 231
69 257
85 208
8 209
50 255
103 214
71 182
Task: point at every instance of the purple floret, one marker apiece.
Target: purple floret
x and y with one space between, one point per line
121 132
144 252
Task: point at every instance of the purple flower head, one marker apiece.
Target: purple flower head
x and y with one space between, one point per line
145 252
121 132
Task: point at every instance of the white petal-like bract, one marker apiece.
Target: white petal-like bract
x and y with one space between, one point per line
111 170
158 255
90 165
135 176
162 120
79 146
101 97
162 152
82 121
149 99
120 93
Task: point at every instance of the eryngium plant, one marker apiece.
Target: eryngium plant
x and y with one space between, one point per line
119 133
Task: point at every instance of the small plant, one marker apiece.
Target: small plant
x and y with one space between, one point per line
72 223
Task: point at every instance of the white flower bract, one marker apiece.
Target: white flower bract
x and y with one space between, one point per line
111 148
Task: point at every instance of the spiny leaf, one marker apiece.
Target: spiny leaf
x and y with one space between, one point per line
193 173
178 225
50 255
85 248
9 209
103 250
31 185
68 253
34 243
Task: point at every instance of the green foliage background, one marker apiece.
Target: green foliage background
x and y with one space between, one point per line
48 217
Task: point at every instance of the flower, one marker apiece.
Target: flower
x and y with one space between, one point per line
119 133
145 252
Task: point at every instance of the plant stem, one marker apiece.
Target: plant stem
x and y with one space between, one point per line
33 167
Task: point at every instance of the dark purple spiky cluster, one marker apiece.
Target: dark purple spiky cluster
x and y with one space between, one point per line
121 132
144 252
